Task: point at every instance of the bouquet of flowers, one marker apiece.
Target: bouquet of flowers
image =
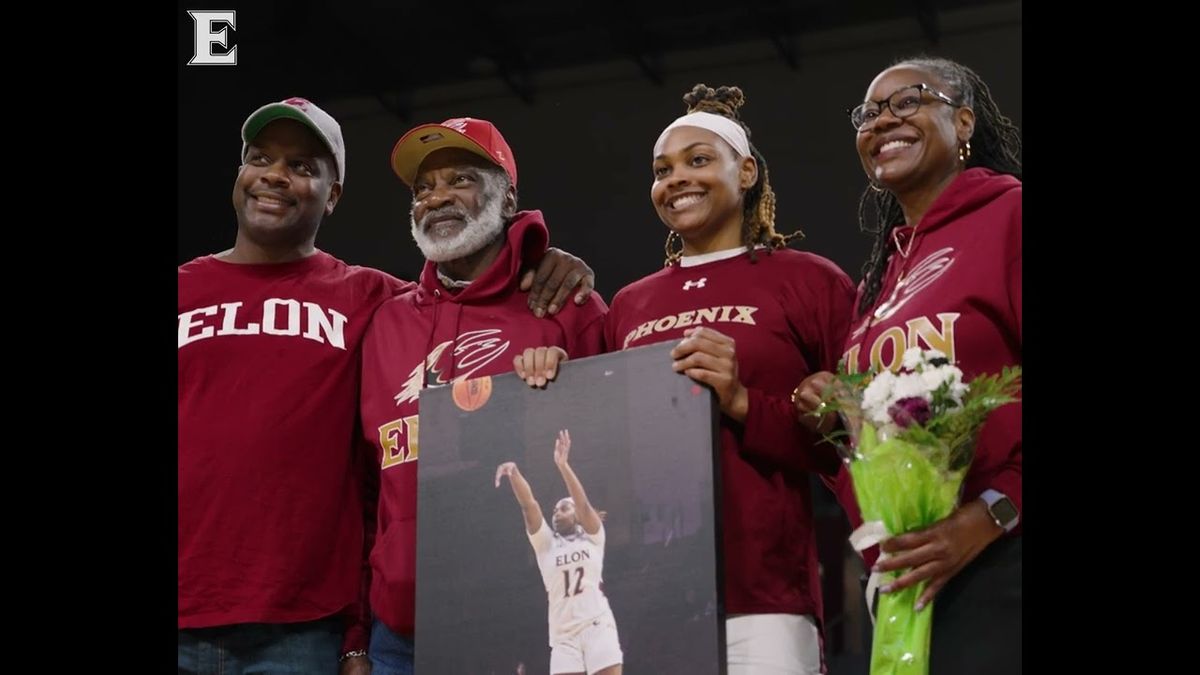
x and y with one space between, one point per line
908 440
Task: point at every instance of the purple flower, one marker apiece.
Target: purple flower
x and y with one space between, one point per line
909 411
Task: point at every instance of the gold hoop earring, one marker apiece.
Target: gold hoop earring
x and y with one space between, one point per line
876 187
672 256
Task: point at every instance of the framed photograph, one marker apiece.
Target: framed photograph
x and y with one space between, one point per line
571 528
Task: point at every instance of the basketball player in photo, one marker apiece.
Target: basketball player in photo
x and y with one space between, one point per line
583 632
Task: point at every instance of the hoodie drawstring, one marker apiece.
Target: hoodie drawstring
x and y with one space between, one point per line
425 365
454 341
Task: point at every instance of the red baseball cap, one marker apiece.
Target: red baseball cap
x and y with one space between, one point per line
478 136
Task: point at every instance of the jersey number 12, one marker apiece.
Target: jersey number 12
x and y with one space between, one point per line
567 582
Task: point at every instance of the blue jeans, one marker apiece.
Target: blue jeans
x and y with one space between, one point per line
308 648
391 654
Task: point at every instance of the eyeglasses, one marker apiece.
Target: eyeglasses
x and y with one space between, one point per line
903 102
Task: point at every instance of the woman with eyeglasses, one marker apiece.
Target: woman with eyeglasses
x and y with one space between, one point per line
943 202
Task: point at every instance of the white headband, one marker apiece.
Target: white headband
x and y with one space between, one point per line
727 129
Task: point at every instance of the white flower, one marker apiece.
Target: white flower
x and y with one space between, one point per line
880 415
911 385
877 396
946 375
935 377
913 357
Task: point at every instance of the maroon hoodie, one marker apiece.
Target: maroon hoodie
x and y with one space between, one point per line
961 295
461 334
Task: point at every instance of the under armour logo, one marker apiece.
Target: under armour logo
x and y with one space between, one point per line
689 285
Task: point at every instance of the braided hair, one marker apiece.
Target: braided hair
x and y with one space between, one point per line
995 144
758 211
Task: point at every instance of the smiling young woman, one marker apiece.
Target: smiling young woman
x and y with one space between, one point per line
752 314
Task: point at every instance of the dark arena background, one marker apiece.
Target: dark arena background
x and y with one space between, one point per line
580 91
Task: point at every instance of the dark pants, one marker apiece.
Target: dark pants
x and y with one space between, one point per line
977 615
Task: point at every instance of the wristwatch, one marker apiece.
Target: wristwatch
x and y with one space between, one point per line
1001 509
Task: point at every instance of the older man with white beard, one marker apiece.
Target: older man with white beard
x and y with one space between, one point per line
465 319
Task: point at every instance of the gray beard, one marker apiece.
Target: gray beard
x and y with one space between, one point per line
480 231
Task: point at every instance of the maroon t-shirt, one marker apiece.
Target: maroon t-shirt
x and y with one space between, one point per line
270 492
